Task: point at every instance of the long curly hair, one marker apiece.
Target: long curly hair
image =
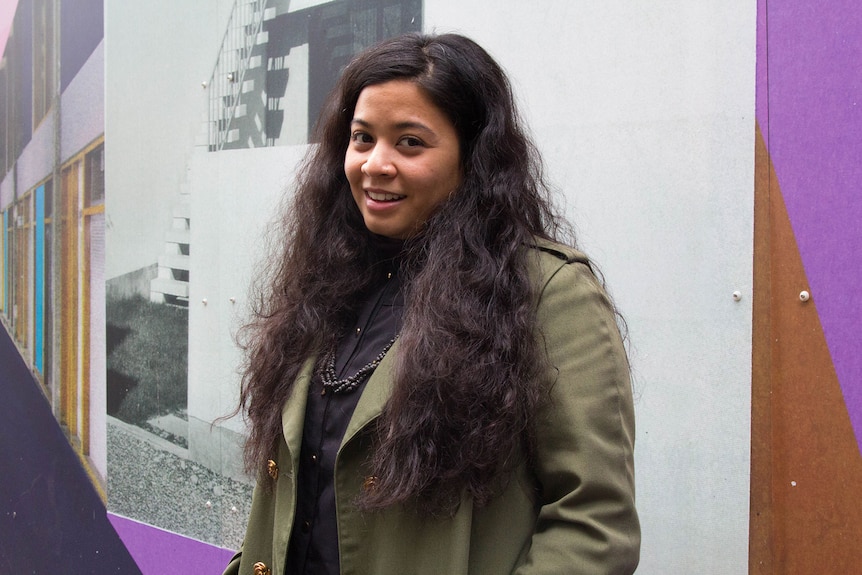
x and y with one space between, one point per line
465 372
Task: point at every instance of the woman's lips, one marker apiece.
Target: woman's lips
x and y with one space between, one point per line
381 196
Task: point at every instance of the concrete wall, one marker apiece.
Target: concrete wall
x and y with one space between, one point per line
234 197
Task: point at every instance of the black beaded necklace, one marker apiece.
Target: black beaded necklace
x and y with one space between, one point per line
330 378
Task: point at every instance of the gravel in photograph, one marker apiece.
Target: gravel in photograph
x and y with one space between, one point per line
161 488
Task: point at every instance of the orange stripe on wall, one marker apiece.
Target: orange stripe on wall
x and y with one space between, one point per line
806 473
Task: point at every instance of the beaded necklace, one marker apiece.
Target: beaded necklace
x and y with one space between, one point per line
330 378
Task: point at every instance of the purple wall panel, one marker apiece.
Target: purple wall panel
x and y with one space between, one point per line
159 552
812 122
761 104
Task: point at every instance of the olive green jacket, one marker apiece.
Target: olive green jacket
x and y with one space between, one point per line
572 512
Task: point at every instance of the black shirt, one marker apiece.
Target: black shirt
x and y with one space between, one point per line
313 547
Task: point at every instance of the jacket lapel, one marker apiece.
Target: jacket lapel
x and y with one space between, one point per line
293 412
374 396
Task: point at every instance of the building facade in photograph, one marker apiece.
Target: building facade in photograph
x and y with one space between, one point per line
52 197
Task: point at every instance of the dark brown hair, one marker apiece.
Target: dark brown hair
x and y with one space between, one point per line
465 384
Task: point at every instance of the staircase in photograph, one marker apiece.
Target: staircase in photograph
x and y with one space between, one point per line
171 285
237 95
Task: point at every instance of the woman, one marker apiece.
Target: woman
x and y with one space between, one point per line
434 385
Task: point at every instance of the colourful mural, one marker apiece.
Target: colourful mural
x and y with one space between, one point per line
806 467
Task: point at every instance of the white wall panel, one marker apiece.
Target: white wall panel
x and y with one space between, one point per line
234 198
645 115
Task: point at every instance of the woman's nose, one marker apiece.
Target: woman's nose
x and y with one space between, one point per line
378 163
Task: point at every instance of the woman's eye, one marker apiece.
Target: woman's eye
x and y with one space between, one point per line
411 141
360 138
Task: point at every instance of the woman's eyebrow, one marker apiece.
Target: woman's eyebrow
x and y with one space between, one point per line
413 126
406 125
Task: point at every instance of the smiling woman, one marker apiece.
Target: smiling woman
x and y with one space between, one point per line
434 383
403 160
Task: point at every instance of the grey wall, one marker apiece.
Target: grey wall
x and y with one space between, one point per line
645 115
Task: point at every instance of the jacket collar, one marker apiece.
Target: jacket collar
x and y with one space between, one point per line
370 406
293 412
374 396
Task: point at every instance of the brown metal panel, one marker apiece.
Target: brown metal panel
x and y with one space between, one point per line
806 473
760 539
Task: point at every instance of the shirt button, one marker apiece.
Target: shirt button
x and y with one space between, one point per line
306 526
358 330
314 458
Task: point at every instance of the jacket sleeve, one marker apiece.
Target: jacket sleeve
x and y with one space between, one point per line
587 522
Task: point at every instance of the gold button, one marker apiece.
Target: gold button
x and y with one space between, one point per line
369 482
261 569
272 469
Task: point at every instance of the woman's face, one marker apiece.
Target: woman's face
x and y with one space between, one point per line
403 160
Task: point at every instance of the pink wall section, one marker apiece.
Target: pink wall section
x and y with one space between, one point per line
7 12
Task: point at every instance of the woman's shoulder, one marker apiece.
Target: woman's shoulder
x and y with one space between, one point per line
562 271
558 250
551 256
